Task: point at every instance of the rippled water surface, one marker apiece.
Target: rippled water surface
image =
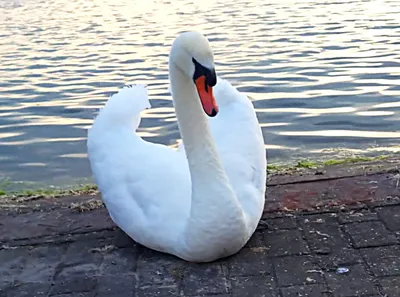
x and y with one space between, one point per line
324 75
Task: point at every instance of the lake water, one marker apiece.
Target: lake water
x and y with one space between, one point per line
324 75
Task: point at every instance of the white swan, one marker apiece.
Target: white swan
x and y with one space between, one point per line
203 201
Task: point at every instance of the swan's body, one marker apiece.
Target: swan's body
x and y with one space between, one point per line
200 202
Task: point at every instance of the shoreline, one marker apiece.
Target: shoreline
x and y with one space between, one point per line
274 173
289 188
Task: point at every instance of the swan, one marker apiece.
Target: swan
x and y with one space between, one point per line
202 201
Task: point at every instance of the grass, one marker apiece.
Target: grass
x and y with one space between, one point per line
274 167
307 164
32 194
310 164
353 160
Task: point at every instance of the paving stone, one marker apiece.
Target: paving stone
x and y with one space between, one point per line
262 225
285 242
316 290
257 240
99 264
391 286
370 234
387 201
384 261
81 294
282 223
73 284
204 279
297 270
41 263
159 291
339 257
319 219
354 283
28 290
117 285
218 295
28 265
82 270
324 238
391 216
121 261
159 269
250 261
260 286
12 265
83 252
122 240
362 215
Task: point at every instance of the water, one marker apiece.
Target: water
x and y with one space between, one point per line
324 75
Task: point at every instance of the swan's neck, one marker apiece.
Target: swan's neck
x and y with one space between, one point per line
214 202
195 131
192 121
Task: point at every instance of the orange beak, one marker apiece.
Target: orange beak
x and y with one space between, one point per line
206 95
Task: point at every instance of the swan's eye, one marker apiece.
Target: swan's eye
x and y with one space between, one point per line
200 70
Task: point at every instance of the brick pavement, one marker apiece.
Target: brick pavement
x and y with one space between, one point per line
48 249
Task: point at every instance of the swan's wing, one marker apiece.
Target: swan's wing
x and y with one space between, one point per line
145 186
148 189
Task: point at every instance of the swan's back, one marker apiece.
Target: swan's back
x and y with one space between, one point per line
240 144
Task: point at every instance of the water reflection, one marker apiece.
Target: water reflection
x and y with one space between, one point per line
324 76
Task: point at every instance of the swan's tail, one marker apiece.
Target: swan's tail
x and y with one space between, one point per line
125 106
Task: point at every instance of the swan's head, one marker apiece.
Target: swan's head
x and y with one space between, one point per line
192 54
